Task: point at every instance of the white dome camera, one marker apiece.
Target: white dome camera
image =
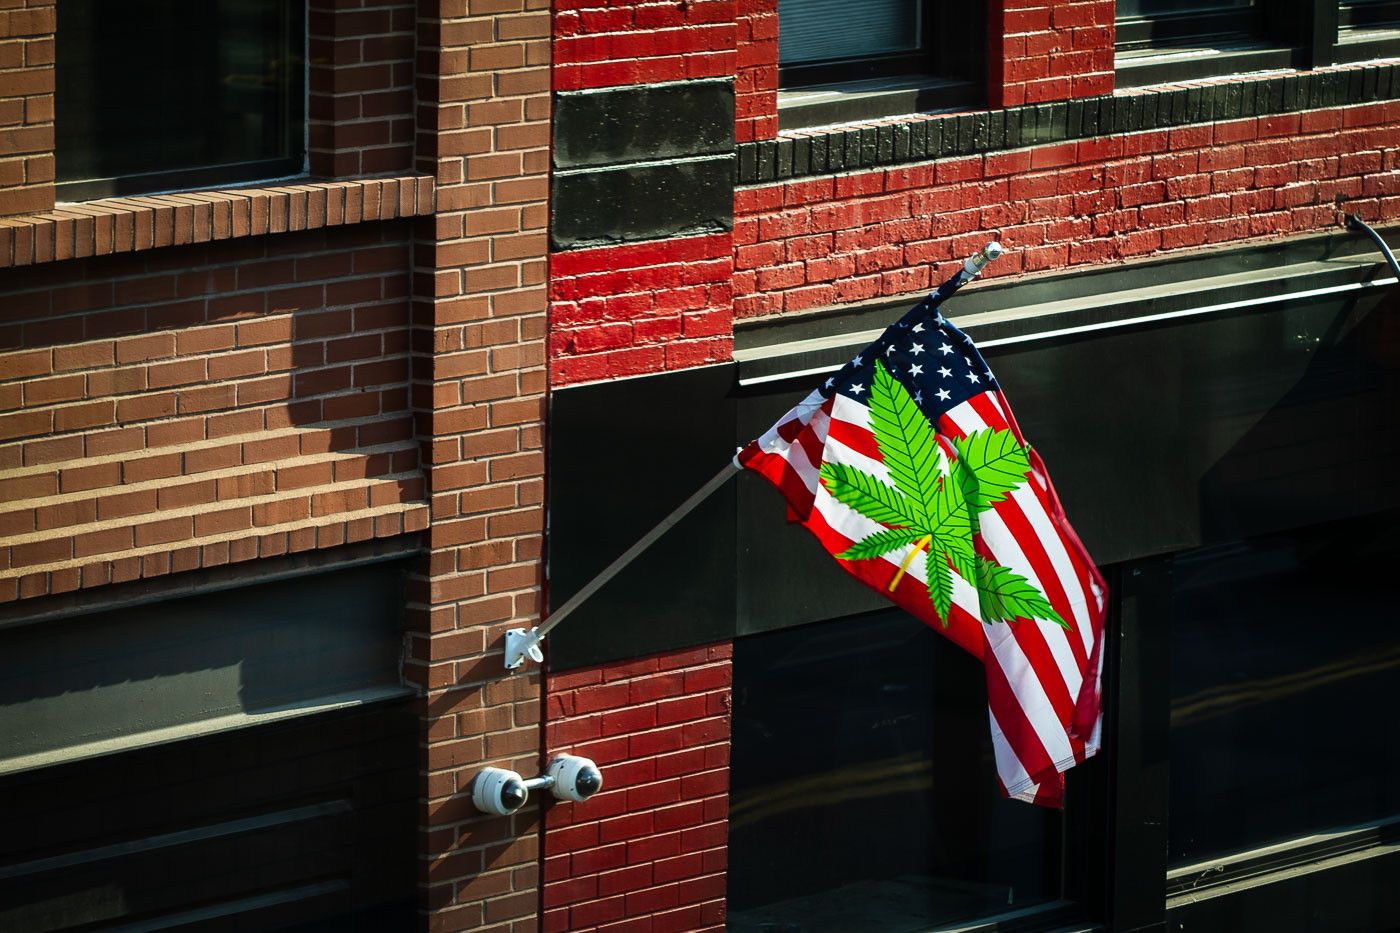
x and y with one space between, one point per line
498 791
575 778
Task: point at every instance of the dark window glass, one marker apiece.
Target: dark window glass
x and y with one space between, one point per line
1127 8
1285 661
818 30
1164 24
863 790
159 94
840 62
1355 18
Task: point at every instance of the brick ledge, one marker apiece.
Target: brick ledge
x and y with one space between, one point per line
385 521
122 225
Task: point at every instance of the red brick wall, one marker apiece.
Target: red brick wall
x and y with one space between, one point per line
756 77
1049 50
194 406
479 379
625 310
360 119
853 237
26 106
641 41
647 853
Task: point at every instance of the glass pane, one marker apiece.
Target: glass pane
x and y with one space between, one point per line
863 791
1285 657
148 86
1130 8
818 30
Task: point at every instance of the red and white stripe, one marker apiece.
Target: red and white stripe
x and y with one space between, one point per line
1042 681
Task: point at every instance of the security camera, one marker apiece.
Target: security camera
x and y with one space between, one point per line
575 778
498 791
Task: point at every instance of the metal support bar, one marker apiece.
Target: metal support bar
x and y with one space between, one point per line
520 643
1354 222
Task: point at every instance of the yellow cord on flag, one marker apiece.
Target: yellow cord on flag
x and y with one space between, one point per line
918 546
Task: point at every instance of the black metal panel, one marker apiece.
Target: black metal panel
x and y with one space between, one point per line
1165 437
1135 737
643 201
1347 894
622 456
309 824
643 122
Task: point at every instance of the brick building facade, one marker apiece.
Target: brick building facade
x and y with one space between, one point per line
424 380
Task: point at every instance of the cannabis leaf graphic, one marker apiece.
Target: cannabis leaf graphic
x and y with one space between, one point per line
934 511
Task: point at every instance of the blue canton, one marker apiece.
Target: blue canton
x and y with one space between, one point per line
935 361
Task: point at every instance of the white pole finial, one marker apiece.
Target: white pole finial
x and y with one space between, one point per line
978 261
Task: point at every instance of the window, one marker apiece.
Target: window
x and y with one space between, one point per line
1280 646
863 790
839 62
159 94
1367 29
1161 40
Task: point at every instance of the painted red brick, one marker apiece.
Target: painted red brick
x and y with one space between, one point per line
639 856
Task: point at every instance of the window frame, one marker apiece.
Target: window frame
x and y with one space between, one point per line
292 111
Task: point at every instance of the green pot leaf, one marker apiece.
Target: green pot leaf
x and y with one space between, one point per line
998 464
879 543
908 444
1006 595
870 497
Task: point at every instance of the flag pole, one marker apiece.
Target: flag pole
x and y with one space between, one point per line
1354 222
522 644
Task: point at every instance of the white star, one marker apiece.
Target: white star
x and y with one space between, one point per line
917 349
967 362
916 370
918 398
919 328
945 349
857 362
972 377
858 388
944 394
830 382
988 374
889 350
941 319
944 371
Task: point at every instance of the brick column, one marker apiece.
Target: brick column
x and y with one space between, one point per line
756 78
26 107
360 117
479 383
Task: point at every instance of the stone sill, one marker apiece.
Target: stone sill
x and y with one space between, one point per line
123 225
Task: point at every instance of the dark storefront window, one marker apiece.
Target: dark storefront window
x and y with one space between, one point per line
159 94
1285 651
864 794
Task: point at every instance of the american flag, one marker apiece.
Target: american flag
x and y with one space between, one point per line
909 468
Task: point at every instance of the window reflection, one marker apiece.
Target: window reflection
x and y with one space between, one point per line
1285 661
863 790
